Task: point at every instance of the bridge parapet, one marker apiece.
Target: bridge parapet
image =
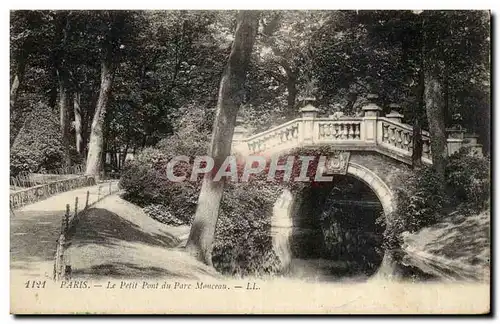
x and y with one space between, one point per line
387 135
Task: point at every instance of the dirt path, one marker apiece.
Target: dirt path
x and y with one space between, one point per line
116 239
34 230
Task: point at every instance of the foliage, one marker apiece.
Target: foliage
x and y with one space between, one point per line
172 59
145 182
468 180
243 243
38 146
162 214
420 204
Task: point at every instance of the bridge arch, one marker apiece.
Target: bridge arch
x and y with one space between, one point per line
287 222
377 185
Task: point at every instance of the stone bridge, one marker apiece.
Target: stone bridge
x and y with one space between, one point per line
379 147
374 149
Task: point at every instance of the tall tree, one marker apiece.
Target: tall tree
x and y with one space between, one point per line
230 98
285 51
114 28
62 29
23 32
434 94
78 122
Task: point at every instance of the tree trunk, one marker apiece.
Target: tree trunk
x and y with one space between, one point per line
230 98
64 116
16 82
78 123
96 132
291 86
123 155
434 106
446 86
417 130
351 100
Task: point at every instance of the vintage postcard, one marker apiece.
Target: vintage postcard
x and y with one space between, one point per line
250 162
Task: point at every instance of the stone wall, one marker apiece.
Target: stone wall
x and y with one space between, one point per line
390 171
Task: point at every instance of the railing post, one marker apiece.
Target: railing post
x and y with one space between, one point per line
306 132
76 206
87 200
370 130
99 193
110 187
455 139
395 114
66 219
470 141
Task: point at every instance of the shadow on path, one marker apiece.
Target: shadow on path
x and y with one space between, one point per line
116 239
103 227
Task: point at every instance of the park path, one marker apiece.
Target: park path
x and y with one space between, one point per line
35 228
116 239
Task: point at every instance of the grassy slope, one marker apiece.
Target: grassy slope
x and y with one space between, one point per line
456 248
116 239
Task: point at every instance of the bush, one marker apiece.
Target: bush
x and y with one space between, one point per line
243 243
468 181
38 146
162 214
422 203
145 183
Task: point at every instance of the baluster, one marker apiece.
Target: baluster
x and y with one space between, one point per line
392 135
345 132
349 131
357 134
270 141
405 142
385 133
425 149
336 131
321 130
328 130
273 141
399 138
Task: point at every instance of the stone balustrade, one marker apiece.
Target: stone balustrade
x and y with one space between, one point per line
385 134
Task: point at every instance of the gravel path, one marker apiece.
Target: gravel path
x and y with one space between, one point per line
35 228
